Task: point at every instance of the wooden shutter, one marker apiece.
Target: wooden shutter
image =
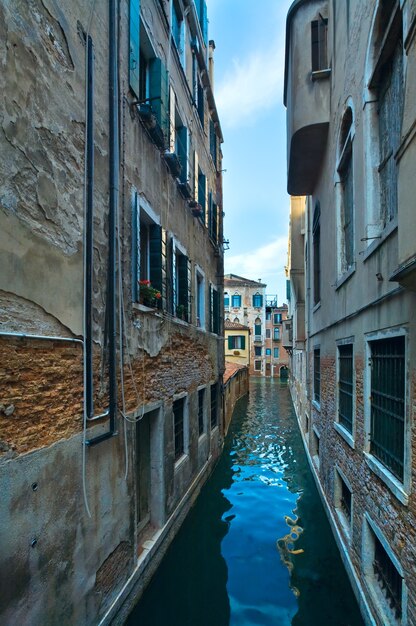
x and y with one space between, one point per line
211 309
174 281
230 343
216 311
134 48
189 281
183 152
159 93
196 169
183 293
204 21
170 276
135 246
155 256
210 222
164 259
172 128
243 342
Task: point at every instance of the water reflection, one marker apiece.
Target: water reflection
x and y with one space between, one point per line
256 549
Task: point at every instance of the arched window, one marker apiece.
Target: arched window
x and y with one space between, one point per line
236 320
236 300
257 300
226 299
257 327
383 115
345 172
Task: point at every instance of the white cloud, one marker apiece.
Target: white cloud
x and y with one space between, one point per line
266 262
253 84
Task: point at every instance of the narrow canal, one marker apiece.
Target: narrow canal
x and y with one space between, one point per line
256 549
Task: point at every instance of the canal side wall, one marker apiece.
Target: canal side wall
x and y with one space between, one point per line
103 444
236 385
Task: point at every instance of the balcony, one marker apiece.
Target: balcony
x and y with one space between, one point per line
306 95
258 338
287 335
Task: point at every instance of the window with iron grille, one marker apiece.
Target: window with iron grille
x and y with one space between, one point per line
257 366
387 576
345 500
201 397
316 232
346 174
388 403
214 406
345 386
317 375
319 34
178 427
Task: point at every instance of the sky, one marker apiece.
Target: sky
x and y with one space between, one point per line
249 69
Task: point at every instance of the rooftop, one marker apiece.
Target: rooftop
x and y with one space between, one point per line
234 279
229 325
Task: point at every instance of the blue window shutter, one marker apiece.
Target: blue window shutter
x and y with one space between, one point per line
159 94
204 21
155 256
134 47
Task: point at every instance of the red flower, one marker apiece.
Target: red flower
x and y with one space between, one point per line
144 282
158 295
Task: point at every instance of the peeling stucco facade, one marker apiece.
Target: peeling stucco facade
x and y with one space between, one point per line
58 563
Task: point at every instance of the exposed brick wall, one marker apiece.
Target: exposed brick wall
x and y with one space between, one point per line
370 494
43 381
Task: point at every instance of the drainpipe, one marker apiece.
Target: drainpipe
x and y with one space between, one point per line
112 220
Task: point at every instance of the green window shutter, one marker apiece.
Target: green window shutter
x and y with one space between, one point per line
182 295
134 47
189 295
210 213
230 343
155 256
215 222
170 276
164 258
243 342
135 247
211 309
159 94
216 312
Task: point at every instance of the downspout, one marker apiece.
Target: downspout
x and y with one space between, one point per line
112 220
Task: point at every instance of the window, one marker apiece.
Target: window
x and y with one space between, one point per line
201 399
213 142
315 445
202 193
387 401
226 300
346 175
214 409
201 9
178 30
200 299
237 342
268 333
277 318
236 301
257 300
134 46
257 350
214 309
236 320
268 316
319 34
200 102
212 218
149 263
257 331
276 353
276 334
316 233
383 573
317 375
345 386
343 500
180 283
182 148
257 366
178 426
268 352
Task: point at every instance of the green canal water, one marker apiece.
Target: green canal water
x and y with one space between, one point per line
256 549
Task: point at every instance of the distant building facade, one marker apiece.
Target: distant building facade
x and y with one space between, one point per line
111 331
237 343
277 359
245 303
350 92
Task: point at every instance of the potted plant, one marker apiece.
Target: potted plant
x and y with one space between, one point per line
148 295
181 311
196 208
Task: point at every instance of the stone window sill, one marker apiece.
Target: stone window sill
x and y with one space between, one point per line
387 477
316 307
321 74
146 309
345 277
181 461
316 405
344 523
345 434
384 235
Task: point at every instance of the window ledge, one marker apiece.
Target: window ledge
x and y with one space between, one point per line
202 437
146 309
344 523
181 461
214 429
387 477
384 235
321 74
316 405
315 459
346 276
316 307
345 434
